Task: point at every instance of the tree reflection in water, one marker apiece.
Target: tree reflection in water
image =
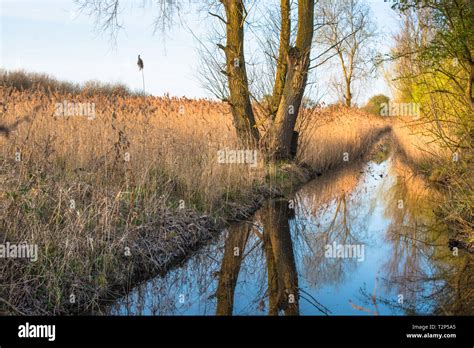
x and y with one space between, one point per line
329 210
427 275
276 263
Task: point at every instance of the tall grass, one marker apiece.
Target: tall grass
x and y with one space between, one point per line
448 169
143 174
417 145
333 137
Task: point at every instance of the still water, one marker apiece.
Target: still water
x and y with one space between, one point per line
361 241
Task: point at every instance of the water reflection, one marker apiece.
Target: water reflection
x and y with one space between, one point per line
393 259
427 275
233 254
330 211
281 266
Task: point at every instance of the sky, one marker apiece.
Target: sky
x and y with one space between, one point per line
53 37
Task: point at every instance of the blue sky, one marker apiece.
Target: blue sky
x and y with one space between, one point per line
50 36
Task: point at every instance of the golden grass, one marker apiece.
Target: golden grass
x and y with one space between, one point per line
416 143
420 146
74 194
172 161
332 138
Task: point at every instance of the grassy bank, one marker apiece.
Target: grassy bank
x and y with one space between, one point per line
448 171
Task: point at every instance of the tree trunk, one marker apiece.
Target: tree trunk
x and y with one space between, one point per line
230 268
298 60
272 274
282 63
470 85
282 276
348 96
244 120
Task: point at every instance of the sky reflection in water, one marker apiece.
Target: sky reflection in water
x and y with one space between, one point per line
276 264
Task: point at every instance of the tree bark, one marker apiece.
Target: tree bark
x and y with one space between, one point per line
470 86
347 78
348 95
241 106
282 63
298 60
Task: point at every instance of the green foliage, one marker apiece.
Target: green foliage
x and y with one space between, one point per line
434 63
375 103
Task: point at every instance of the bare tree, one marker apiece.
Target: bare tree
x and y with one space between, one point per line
297 62
106 14
351 33
239 94
291 72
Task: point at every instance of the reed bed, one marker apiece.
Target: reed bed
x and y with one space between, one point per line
334 137
113 199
